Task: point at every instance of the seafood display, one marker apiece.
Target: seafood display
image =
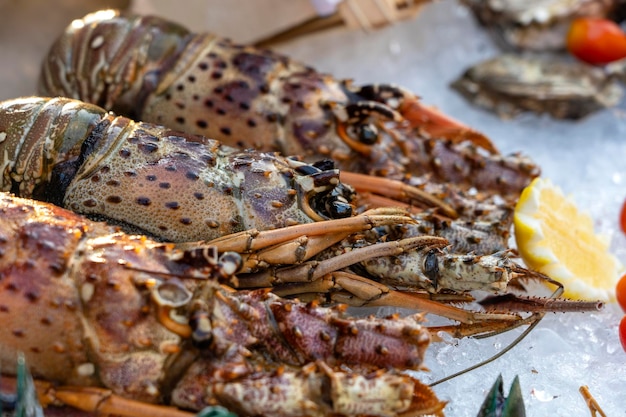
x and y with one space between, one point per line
223 271
510 84
171 332
157 71
78 156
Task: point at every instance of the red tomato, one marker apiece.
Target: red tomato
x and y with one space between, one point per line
596 41
622 332
622 218
620 292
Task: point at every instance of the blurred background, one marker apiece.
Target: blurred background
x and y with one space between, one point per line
27 29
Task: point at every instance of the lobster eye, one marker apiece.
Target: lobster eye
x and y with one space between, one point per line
307 169
333 203
338 202
431 267
339 209
367 133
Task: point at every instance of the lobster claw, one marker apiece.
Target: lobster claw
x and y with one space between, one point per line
497 405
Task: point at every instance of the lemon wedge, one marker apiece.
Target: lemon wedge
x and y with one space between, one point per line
557 239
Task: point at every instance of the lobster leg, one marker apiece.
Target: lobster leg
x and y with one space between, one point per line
438 125
99 401
593 405
252 240
310 271
400 392
103 402
348 288
315 389
493 271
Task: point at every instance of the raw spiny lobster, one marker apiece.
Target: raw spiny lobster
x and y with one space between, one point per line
150 322
78 156
174 186
155 70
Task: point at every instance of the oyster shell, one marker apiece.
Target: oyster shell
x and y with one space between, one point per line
537 25
563 88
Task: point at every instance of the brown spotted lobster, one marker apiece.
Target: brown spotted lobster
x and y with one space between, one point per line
170 334
119 323
76 155
154 70
294 226
185 188
115 324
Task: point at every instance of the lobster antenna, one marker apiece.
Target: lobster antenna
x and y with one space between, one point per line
497 355
164 274
537 318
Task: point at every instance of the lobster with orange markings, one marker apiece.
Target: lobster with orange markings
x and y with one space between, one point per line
175 334
154 70
168 329
78 156
179 334
185 188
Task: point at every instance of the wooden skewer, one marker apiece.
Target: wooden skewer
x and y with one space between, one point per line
353 14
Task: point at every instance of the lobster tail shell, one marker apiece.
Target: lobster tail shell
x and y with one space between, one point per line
39 135
156 71
112 61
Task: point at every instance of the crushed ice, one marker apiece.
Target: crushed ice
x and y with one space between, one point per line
587 159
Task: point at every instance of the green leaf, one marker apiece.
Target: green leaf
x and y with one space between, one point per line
215 411
497 405
26 403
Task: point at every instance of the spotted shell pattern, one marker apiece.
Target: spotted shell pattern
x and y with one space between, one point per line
164 183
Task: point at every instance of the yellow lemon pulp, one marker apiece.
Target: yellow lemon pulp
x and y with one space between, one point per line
555 238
